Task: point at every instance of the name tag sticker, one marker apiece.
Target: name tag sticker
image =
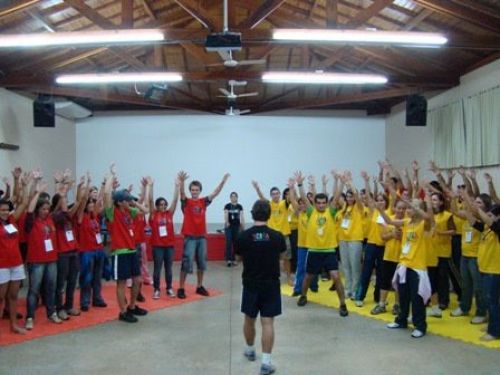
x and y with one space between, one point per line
69 236
163 231
345 223
320 231
468 237
9 228
48 245
380 219
98 238
406 248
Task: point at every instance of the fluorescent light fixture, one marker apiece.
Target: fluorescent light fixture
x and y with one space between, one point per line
361 36
321 78
90 79
77 38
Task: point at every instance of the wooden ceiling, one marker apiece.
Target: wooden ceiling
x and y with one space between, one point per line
472 26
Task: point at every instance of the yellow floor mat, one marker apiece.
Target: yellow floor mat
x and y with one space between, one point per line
458 328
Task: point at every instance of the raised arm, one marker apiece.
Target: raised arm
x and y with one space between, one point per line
324 184
434 169
415 182
475 186
293 194
348 181
466 181
369 198
182 176
219 187
491 188
299 178
256 186
338 186
175 198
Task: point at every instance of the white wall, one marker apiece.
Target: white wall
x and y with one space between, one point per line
45 148
265 148
407 143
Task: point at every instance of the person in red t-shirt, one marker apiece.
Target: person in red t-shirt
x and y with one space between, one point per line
163 239
11 262
120 212
194 231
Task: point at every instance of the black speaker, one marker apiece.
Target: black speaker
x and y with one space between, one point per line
43 114
416 111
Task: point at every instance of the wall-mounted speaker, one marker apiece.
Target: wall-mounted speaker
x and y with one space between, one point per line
416 111
43 114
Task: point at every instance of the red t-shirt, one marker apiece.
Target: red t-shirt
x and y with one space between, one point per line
65 233
194 216
139 228
162 229
42 242
22 233
10 255
89 233
121 229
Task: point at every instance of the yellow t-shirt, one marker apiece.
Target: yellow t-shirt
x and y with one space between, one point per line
366 222
302 229
441 244
350 221
415 244
279 218
321 230
376 228
470 240
488 256
292 218
459 222
392 250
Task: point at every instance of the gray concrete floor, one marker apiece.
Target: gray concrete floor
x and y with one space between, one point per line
205 338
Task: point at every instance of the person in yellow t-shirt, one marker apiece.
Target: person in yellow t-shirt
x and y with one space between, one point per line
488 259
440 251
292 218
351 236
392 236
321 242
469 270
374 248
279 222
411 275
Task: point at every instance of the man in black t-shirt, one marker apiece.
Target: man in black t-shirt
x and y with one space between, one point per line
260 247
233 224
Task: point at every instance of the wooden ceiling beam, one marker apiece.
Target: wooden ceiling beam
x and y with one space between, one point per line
127 14
91 14
367 13
197 12
41 19
332 14
415 21
17 6
461 12
260 14
148 9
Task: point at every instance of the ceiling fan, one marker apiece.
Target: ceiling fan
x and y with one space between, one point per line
236 112
231 95
230 62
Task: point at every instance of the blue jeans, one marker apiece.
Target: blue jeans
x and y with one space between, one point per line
472 286
67 273
491 283
162 256
91 265
301 271
38 272
408 293
194 247
231 233
373 259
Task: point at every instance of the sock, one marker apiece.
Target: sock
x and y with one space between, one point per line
266 359
250 348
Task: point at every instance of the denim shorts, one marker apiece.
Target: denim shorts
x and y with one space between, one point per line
194 248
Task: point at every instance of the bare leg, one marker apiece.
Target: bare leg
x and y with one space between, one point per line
249 330
134 292
267 334
305 284
288 267
120 295
339 286
12 292
182 279
199 278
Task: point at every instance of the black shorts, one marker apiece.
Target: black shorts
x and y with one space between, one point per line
125 266
263 300
316 261
388 269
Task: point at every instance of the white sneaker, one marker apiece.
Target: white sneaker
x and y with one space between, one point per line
63 315
435 312
55 319
358 303
29 324
170 293
417 334
458 312
393 325
479 320
156 294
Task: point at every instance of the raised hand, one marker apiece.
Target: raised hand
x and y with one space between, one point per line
488 178
16 172
365 176
415 166
324 179
183 176
299 177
